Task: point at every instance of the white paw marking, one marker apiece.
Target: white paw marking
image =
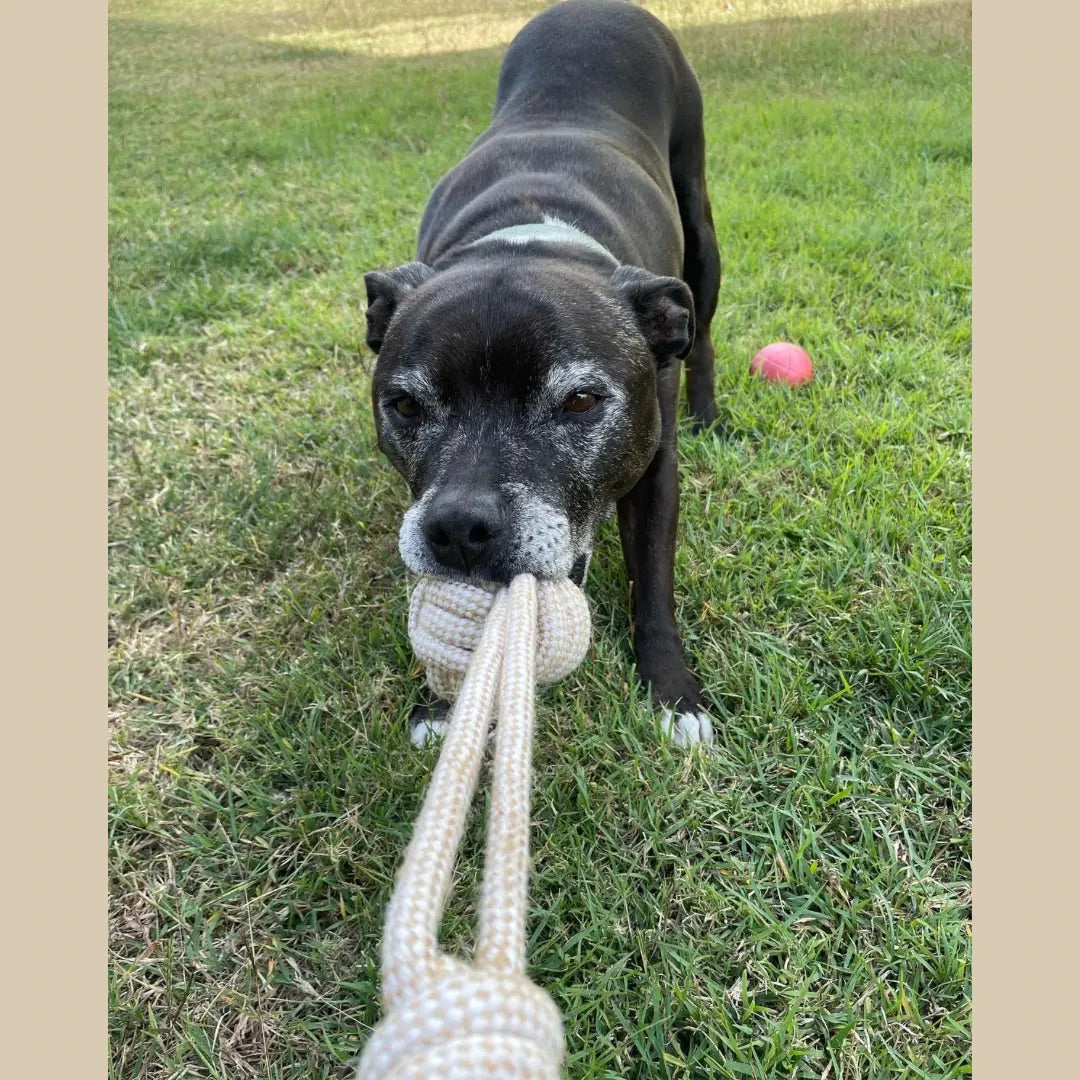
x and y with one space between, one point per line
687 728
426 732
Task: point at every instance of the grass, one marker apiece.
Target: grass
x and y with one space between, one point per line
793 902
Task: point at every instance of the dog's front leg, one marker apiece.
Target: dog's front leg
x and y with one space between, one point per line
648 520
428 723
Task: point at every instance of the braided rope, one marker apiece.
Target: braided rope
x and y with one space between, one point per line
445 1019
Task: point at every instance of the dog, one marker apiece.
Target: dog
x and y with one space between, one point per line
527 377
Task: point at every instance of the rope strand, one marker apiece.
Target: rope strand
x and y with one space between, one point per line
447 1020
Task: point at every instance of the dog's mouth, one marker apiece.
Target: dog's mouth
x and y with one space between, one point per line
503 576
536 538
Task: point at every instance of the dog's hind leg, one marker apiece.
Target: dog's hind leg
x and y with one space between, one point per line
701 258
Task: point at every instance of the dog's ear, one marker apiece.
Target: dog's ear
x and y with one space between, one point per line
385 288
664 308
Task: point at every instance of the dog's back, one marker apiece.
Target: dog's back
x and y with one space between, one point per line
605 65
590 99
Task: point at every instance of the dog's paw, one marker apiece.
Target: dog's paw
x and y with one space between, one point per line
687 728
427 732
428 724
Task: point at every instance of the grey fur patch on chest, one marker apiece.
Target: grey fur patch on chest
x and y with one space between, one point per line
550 230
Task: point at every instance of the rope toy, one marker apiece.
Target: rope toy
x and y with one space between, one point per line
445 1019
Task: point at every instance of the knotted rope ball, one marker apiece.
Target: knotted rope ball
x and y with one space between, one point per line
446 620
447 1020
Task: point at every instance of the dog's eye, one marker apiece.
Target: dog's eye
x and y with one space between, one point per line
579 403
406 407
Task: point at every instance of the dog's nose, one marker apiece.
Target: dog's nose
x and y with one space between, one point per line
461 526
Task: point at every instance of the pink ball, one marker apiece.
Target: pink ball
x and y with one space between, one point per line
783 362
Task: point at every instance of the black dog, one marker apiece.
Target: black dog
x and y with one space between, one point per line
528 366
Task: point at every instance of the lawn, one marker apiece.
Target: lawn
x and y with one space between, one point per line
792 902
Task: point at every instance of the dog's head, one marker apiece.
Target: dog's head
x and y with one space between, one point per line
517 395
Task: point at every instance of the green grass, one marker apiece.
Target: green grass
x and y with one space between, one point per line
793 902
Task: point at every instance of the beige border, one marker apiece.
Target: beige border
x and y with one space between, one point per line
1026 641
54 393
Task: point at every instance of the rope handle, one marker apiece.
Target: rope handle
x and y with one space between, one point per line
445 1019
